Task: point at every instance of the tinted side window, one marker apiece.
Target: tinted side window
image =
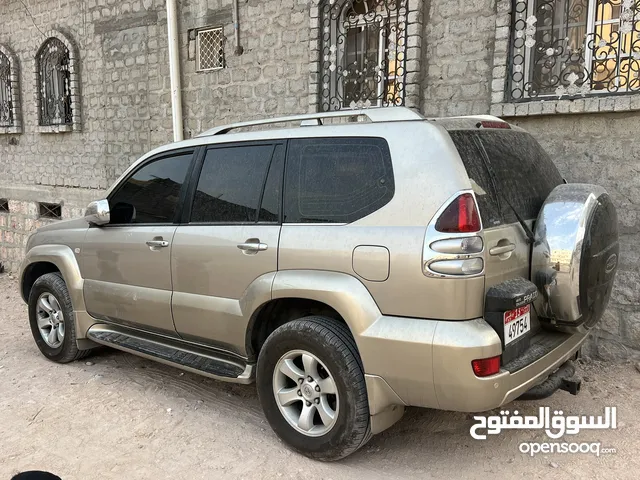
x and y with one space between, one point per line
506 166
337 180
152 193
231 184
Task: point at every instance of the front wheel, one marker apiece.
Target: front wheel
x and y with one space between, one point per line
52 319
312 389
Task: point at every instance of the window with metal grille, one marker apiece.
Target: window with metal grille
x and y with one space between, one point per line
4 205
572 48
6 100
209 49
50 210
54 83
363 53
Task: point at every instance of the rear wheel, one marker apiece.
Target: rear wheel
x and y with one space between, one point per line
312 390
52 319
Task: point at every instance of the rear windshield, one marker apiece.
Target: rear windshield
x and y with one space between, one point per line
506 167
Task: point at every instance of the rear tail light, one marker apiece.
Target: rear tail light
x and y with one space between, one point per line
486 366
470 266
461 216
457 246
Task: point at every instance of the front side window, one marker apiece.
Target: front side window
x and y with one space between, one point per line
362 53
54 83
151 195
231 185
569 48
336 180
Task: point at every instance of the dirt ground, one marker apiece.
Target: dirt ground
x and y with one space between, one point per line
117 416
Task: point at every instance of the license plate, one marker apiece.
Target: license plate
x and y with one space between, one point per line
517 323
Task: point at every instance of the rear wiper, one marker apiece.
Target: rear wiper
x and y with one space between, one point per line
485 159
530 236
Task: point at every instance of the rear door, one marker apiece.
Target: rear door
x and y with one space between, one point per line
228 239
511 176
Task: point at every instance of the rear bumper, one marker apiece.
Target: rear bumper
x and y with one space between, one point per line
427 363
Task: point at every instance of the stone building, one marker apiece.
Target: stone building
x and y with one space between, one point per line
85 90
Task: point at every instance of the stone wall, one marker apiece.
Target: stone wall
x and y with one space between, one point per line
457 65
24 216
126 109
124 103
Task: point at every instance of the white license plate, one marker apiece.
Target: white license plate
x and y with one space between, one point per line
517 323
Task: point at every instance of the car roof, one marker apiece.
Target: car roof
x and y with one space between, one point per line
377 121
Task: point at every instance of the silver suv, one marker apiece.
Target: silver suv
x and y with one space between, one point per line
354 264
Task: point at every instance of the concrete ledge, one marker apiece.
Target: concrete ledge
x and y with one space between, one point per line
54 128
10 130
588 104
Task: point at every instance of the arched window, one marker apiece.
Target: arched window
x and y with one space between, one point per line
9 92
362 53
54 83
6 102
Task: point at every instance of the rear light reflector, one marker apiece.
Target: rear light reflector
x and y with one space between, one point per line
461 216
458 246
486 366
470 266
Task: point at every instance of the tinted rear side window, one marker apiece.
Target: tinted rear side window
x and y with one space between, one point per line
336 180
506 166
230 184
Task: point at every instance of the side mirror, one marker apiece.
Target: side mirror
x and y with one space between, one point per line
97 213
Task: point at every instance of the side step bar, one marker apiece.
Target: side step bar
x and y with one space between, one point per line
183 355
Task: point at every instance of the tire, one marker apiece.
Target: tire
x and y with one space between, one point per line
331 343
48 286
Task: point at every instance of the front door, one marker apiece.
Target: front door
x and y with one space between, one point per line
226 251
126 264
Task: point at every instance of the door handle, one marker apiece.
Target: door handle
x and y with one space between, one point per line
252 246
502 249
157 243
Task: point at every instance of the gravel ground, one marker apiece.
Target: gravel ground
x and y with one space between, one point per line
117 416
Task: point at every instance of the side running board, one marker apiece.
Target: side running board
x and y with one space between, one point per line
183 355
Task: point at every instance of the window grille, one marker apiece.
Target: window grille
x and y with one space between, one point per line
572 48
210 49
54 78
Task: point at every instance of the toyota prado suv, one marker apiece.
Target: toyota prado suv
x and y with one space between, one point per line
350 263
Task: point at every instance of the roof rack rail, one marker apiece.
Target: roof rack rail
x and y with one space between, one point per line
377 114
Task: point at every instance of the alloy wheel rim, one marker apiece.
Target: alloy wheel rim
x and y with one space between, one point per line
50 320
306 393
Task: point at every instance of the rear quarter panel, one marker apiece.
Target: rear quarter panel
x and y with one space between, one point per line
427 172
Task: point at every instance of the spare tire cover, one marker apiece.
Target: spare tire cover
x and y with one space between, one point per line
575 255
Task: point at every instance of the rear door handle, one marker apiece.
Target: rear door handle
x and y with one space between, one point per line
253 245
502 249
157 243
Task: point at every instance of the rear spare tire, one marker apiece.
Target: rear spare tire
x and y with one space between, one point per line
575 256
